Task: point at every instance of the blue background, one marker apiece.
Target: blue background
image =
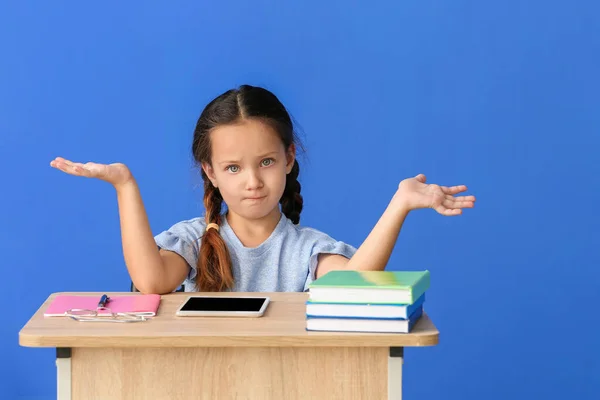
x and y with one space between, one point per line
500 96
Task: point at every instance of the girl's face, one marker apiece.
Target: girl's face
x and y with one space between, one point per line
249 166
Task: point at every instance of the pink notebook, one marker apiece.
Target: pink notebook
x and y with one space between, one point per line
145 304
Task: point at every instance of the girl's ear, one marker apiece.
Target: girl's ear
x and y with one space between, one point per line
208 170
290 157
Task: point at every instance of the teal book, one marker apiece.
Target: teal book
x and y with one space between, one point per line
375 287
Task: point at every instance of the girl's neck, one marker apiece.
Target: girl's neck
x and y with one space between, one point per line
253 232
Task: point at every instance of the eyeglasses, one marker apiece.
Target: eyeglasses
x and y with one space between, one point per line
85 315
104 314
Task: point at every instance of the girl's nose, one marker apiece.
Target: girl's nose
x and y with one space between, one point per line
254 180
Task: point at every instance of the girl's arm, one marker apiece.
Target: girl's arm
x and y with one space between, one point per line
412 194
151 271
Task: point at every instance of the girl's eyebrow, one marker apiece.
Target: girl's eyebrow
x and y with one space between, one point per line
237 161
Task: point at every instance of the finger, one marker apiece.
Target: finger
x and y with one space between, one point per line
81 169
71 168
460 198
64 161
453 189
68 168
448 211
421 178
60 164
57 161
63 165
451 203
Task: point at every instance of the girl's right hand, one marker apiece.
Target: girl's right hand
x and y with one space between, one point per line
116 174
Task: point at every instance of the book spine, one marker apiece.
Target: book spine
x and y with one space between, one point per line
420 287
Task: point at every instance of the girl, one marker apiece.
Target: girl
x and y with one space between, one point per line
245 144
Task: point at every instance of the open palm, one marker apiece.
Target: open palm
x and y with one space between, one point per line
415 193
115 174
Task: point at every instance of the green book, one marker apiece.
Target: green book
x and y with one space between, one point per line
373 287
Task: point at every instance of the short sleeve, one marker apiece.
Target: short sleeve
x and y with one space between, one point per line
326 245
183 238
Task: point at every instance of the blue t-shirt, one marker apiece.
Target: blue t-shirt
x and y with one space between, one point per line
285 262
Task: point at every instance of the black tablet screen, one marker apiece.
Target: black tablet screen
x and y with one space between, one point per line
223 304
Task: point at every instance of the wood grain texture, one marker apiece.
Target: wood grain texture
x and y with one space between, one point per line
230 373
283 325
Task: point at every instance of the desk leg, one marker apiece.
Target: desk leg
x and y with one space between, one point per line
395 361
63 373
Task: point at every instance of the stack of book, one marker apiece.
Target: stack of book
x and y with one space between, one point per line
366 301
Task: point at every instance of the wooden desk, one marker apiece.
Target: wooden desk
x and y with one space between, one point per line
272 357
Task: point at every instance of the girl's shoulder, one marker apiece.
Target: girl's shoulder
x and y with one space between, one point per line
317 241
309 234
190 230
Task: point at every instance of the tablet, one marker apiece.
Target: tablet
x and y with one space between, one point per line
223 306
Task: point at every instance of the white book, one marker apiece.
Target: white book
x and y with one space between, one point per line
362 310
364 324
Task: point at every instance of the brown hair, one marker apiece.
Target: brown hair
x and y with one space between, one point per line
245 102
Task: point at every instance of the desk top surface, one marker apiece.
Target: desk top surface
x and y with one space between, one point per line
282 325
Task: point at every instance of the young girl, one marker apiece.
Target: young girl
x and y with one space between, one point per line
244 142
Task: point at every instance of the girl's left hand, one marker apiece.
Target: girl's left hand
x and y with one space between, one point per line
414 193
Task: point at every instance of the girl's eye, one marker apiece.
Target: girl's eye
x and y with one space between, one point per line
235 168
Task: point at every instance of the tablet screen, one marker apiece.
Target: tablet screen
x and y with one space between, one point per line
248 304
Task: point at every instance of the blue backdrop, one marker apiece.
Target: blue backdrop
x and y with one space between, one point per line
500 96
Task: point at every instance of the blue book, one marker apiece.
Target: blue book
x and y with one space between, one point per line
374 325
362 310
